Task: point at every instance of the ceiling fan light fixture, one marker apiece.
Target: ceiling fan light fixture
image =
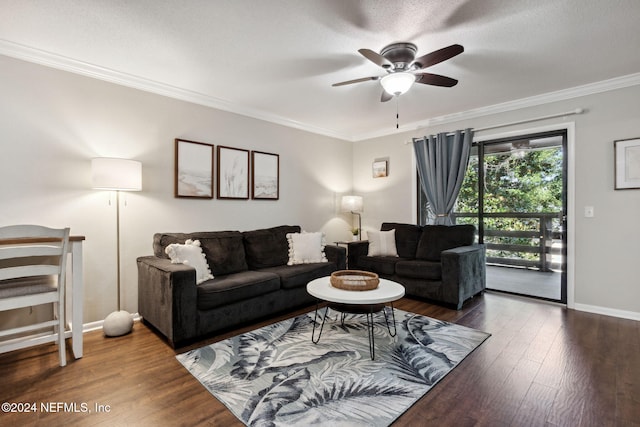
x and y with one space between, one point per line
397 83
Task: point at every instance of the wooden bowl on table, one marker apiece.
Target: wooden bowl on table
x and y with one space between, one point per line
354 280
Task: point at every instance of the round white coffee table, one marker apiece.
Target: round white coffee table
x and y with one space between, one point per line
358 302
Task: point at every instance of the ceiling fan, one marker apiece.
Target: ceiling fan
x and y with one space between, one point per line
403 68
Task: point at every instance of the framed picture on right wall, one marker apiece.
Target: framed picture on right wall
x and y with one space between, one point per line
379 168
627 163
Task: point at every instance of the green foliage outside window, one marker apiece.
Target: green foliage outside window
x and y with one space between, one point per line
528 181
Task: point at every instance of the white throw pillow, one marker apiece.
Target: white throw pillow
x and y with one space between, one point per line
190 254
382 243
305 248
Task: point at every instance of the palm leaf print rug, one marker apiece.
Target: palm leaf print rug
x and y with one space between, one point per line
275 375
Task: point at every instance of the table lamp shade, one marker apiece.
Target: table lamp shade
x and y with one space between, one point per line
351 204
116 174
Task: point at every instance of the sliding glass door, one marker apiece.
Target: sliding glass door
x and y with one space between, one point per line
515 195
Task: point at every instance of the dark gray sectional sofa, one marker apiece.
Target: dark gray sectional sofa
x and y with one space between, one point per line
436 262
251 281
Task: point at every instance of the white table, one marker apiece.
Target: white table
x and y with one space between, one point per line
358 302
77 292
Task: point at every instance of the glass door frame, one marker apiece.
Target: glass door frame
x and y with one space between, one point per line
563 133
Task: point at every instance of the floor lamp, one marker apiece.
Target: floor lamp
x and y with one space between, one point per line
117 175
354 205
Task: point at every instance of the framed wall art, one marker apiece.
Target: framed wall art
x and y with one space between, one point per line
379 168
193 169
265 176
627 163
233 173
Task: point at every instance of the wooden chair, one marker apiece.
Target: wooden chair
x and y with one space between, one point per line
32 272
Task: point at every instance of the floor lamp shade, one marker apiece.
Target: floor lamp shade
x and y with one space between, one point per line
117 175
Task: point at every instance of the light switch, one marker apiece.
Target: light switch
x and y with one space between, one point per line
588 212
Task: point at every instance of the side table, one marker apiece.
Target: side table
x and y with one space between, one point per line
347 244
356 302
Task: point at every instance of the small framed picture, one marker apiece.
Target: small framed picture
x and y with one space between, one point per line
193 169
265 176
380 168
627 163
233 173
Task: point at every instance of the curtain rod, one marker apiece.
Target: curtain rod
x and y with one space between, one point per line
535 119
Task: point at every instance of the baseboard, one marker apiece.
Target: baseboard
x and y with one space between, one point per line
94 326
631 315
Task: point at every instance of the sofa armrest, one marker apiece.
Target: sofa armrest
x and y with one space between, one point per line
167 297
463 273
356 250
337 255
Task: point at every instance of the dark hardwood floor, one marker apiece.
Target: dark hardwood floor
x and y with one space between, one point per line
542 366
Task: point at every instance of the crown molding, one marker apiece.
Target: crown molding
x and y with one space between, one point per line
60 62
546 98
63 63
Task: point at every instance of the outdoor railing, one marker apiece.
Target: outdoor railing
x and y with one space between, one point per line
544 241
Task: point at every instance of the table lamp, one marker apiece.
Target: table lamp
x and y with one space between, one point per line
354 205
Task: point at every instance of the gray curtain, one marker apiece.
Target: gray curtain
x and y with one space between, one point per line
442 162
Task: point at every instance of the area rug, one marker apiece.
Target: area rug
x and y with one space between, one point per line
275 375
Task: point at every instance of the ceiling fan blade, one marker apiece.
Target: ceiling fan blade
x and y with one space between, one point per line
385 96
376 58
435 80
438 56
348 82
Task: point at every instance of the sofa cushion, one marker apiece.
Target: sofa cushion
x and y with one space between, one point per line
385 265
190 254
420 269
268 247
407 237
438 238
382 243
296 276
224 250
228 289
162 240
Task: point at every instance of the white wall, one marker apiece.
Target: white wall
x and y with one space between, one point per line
53 122
607 247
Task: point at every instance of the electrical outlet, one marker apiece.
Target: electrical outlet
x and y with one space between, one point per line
589 212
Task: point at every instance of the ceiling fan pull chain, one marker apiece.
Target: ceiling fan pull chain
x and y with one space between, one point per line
397 114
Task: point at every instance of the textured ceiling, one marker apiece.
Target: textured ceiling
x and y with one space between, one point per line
276 59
